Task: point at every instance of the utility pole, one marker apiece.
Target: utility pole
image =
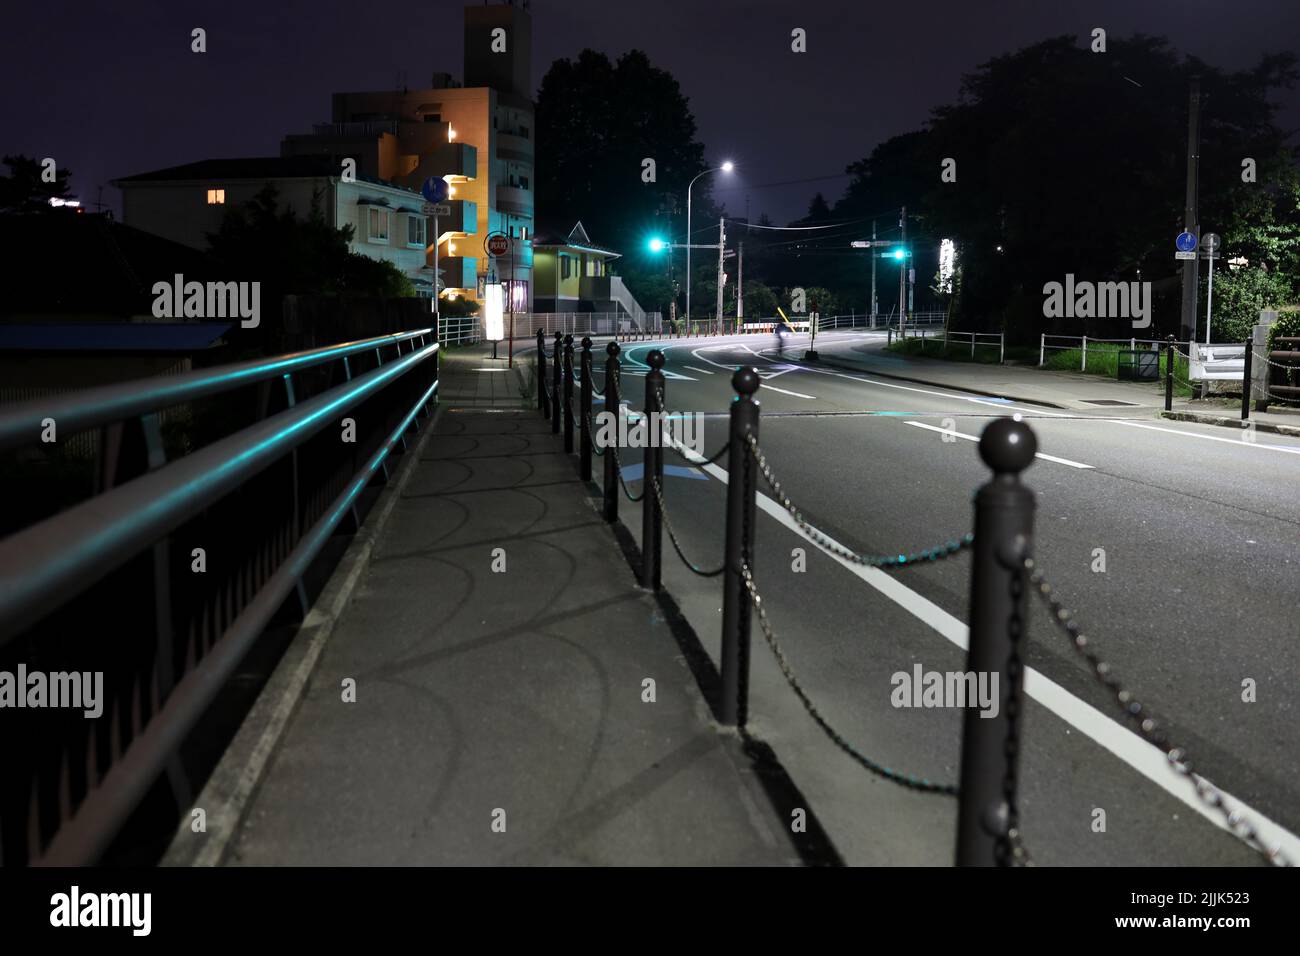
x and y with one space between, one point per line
902 280
1191 214
873 274
740 288
722 252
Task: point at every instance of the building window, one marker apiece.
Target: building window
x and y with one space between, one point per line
378 225
523 132
415 230
216 197
523 182
433 117
565 267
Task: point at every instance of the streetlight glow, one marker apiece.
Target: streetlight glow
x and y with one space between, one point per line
656 244
727 166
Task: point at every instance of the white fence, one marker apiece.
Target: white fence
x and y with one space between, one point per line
975 339
1082 343
459 330
1217 363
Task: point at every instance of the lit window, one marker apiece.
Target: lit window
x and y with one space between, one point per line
378 225
216 197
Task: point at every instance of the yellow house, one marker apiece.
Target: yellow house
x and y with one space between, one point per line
573 275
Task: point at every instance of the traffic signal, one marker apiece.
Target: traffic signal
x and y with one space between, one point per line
898 252
657 245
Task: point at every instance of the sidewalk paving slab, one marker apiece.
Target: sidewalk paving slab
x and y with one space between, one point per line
480 691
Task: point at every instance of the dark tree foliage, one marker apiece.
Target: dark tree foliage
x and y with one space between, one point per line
598 121
24 189
1074 162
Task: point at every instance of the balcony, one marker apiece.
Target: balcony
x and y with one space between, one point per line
463 218
459 272
451 159
514 200
510 146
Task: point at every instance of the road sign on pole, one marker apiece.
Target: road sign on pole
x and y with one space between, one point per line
435 189
496 244
1186 242
435 209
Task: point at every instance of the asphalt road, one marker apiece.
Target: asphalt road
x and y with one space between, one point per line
1199 531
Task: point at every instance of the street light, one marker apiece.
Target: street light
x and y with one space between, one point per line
726 167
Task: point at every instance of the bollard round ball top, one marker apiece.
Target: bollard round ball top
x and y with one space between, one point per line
586 343
1008 445
612 349
655 359
745 380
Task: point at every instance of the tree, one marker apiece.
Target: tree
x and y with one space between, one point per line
1073 162
760 300
598 123
25 190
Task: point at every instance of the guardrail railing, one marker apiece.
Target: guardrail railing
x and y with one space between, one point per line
187 543
1004 574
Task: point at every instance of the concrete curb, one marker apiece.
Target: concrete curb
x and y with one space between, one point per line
234 781
1228 422
934 384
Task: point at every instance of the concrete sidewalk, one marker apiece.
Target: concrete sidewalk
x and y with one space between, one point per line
1073 391
501 654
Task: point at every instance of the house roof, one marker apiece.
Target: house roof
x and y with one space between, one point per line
576 239
254 167
67 262
113 337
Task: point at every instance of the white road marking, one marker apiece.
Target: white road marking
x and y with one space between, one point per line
785 391
1145 758
975 438
704 371
1287 449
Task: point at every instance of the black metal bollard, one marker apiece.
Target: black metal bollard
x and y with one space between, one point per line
653 471
542 403
584 411
1004 527
612 409
557 359
1169 375
742 486
1245 381
568 394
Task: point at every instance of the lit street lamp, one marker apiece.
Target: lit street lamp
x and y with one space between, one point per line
726 167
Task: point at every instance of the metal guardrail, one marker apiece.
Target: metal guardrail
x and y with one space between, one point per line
1004 573
974 339
460 330
1044 346
163 579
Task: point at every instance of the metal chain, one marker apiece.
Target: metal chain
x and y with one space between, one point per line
1138 716
618 470
595 446
1009 849
937 553
672 535
902 779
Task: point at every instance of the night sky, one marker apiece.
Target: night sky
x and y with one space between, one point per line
111 89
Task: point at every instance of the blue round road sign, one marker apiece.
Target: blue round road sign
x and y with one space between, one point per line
1186 242
434 189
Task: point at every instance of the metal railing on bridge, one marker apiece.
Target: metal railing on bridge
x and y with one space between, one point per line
188 540
1004 573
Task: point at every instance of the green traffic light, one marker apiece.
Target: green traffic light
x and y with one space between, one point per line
657 244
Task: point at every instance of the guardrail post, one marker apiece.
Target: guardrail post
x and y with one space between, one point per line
1245 381
1083 365
653 471
542 403
1169 375
1042 348
613 407
584 412
1002 348
568 394
742 486
557 359
1004 525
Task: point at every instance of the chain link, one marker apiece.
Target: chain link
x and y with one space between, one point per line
1009 848
903 779
937 553
1147 726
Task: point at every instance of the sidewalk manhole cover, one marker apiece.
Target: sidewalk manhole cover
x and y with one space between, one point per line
1107 401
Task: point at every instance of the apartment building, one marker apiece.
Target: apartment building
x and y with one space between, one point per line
478 136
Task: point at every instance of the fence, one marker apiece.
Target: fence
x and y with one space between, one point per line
1004 574
1107 345
980 339
165 576
460 330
